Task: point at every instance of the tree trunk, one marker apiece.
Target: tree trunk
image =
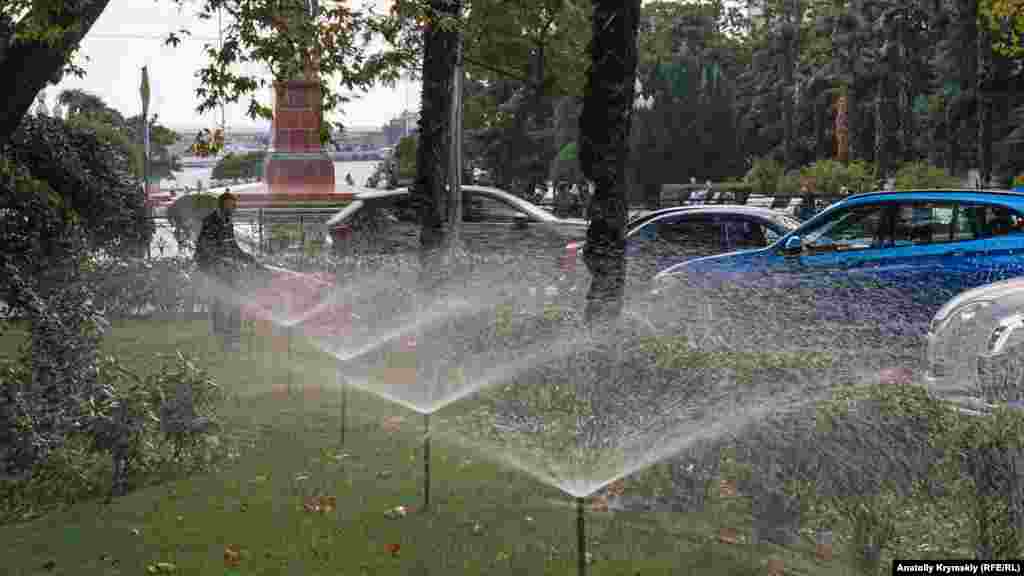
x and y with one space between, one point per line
789 55
903 106
35 63
984 108
439 59
821 108
881 137
604 149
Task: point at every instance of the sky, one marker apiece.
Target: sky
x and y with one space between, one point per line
130 34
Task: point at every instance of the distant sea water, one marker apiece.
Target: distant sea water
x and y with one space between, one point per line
188 177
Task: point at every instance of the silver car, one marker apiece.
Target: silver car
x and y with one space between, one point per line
975 344
491 215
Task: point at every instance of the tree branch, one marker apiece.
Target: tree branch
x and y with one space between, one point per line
496 69
31 64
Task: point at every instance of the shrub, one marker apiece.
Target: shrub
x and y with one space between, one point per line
134 431
789 184
41 281
831 177
923 175
91 175
140 286
244 166
764 176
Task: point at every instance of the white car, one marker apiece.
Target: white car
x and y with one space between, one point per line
975 346
490 214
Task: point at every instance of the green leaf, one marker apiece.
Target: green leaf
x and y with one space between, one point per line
568 152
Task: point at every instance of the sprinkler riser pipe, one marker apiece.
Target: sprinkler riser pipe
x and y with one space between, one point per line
426 462
344 411
581 539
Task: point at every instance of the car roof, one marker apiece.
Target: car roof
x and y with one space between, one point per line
740 209
1001 196
364 196
736 209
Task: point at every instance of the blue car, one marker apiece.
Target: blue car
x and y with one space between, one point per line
929 244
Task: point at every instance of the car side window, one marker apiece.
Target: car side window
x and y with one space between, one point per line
742 233
487 209
770 235
919 223
1001 221
701 233
857 228
969 223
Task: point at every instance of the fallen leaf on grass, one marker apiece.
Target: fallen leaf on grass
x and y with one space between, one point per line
775 567
232 556
301 477
728 536
392 423
396 512
599 503
727 489
393 549
321 504
617 488
161 568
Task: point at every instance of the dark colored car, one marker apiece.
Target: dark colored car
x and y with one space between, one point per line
657 240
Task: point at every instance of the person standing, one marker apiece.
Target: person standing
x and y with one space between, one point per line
223 262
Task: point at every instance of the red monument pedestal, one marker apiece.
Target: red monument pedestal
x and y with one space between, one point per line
296 168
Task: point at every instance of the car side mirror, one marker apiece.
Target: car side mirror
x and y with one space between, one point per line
793 246
521 221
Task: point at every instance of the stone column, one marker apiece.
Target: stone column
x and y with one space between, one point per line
296 165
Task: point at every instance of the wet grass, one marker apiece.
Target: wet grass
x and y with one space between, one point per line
484 518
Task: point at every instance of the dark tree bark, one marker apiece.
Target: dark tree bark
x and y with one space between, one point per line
788 53
822 147
430 189
604 149
984 108
35 63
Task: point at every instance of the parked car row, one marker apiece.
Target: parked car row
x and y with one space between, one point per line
954 253
957 253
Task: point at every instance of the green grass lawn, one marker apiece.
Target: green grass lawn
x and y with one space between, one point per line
483 519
